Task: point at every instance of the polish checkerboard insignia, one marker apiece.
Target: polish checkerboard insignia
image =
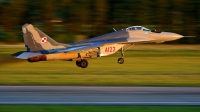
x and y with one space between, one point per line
43 39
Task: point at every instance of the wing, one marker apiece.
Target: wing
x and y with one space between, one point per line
81 47
87 46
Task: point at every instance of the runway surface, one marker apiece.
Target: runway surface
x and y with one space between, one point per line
99 95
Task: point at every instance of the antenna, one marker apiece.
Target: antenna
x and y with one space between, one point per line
189 36
114 29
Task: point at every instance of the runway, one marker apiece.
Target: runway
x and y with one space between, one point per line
99 95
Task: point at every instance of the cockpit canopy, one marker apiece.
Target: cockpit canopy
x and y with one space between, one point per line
138 28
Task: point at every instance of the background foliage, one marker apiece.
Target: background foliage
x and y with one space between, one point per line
74 20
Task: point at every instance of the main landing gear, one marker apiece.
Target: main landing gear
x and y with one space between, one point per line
82 63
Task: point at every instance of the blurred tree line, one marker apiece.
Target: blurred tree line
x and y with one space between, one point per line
74 20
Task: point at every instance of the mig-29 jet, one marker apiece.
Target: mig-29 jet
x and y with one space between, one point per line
41 47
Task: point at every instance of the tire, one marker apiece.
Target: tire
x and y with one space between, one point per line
83 63
120 60
78 63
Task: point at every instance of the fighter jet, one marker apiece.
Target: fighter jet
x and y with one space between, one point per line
41 47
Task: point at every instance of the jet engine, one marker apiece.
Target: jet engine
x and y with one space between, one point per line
64 56
37 58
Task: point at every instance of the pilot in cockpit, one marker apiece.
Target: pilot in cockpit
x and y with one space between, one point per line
138 28
134 28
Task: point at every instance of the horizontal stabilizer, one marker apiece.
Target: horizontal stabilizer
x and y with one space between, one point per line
26 55
17 53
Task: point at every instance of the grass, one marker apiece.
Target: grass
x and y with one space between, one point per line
146 65
53 108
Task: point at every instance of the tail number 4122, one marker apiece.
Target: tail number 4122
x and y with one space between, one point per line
110 49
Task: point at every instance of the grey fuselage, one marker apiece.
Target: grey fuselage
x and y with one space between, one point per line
123 36
41 47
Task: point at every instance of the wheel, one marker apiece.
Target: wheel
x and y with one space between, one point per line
83 63
78 63
120 60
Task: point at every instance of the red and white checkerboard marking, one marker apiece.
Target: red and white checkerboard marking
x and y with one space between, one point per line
43 39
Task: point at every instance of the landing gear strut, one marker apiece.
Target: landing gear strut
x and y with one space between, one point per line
121 60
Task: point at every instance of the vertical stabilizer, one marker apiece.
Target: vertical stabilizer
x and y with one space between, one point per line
36 40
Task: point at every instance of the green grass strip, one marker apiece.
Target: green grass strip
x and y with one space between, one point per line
54 108
156 65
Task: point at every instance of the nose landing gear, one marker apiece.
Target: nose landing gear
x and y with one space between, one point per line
121 59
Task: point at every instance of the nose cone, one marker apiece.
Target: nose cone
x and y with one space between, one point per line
171 36
177 36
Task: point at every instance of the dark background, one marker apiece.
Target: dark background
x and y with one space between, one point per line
74 20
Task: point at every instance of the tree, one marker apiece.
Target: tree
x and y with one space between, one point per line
11 14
